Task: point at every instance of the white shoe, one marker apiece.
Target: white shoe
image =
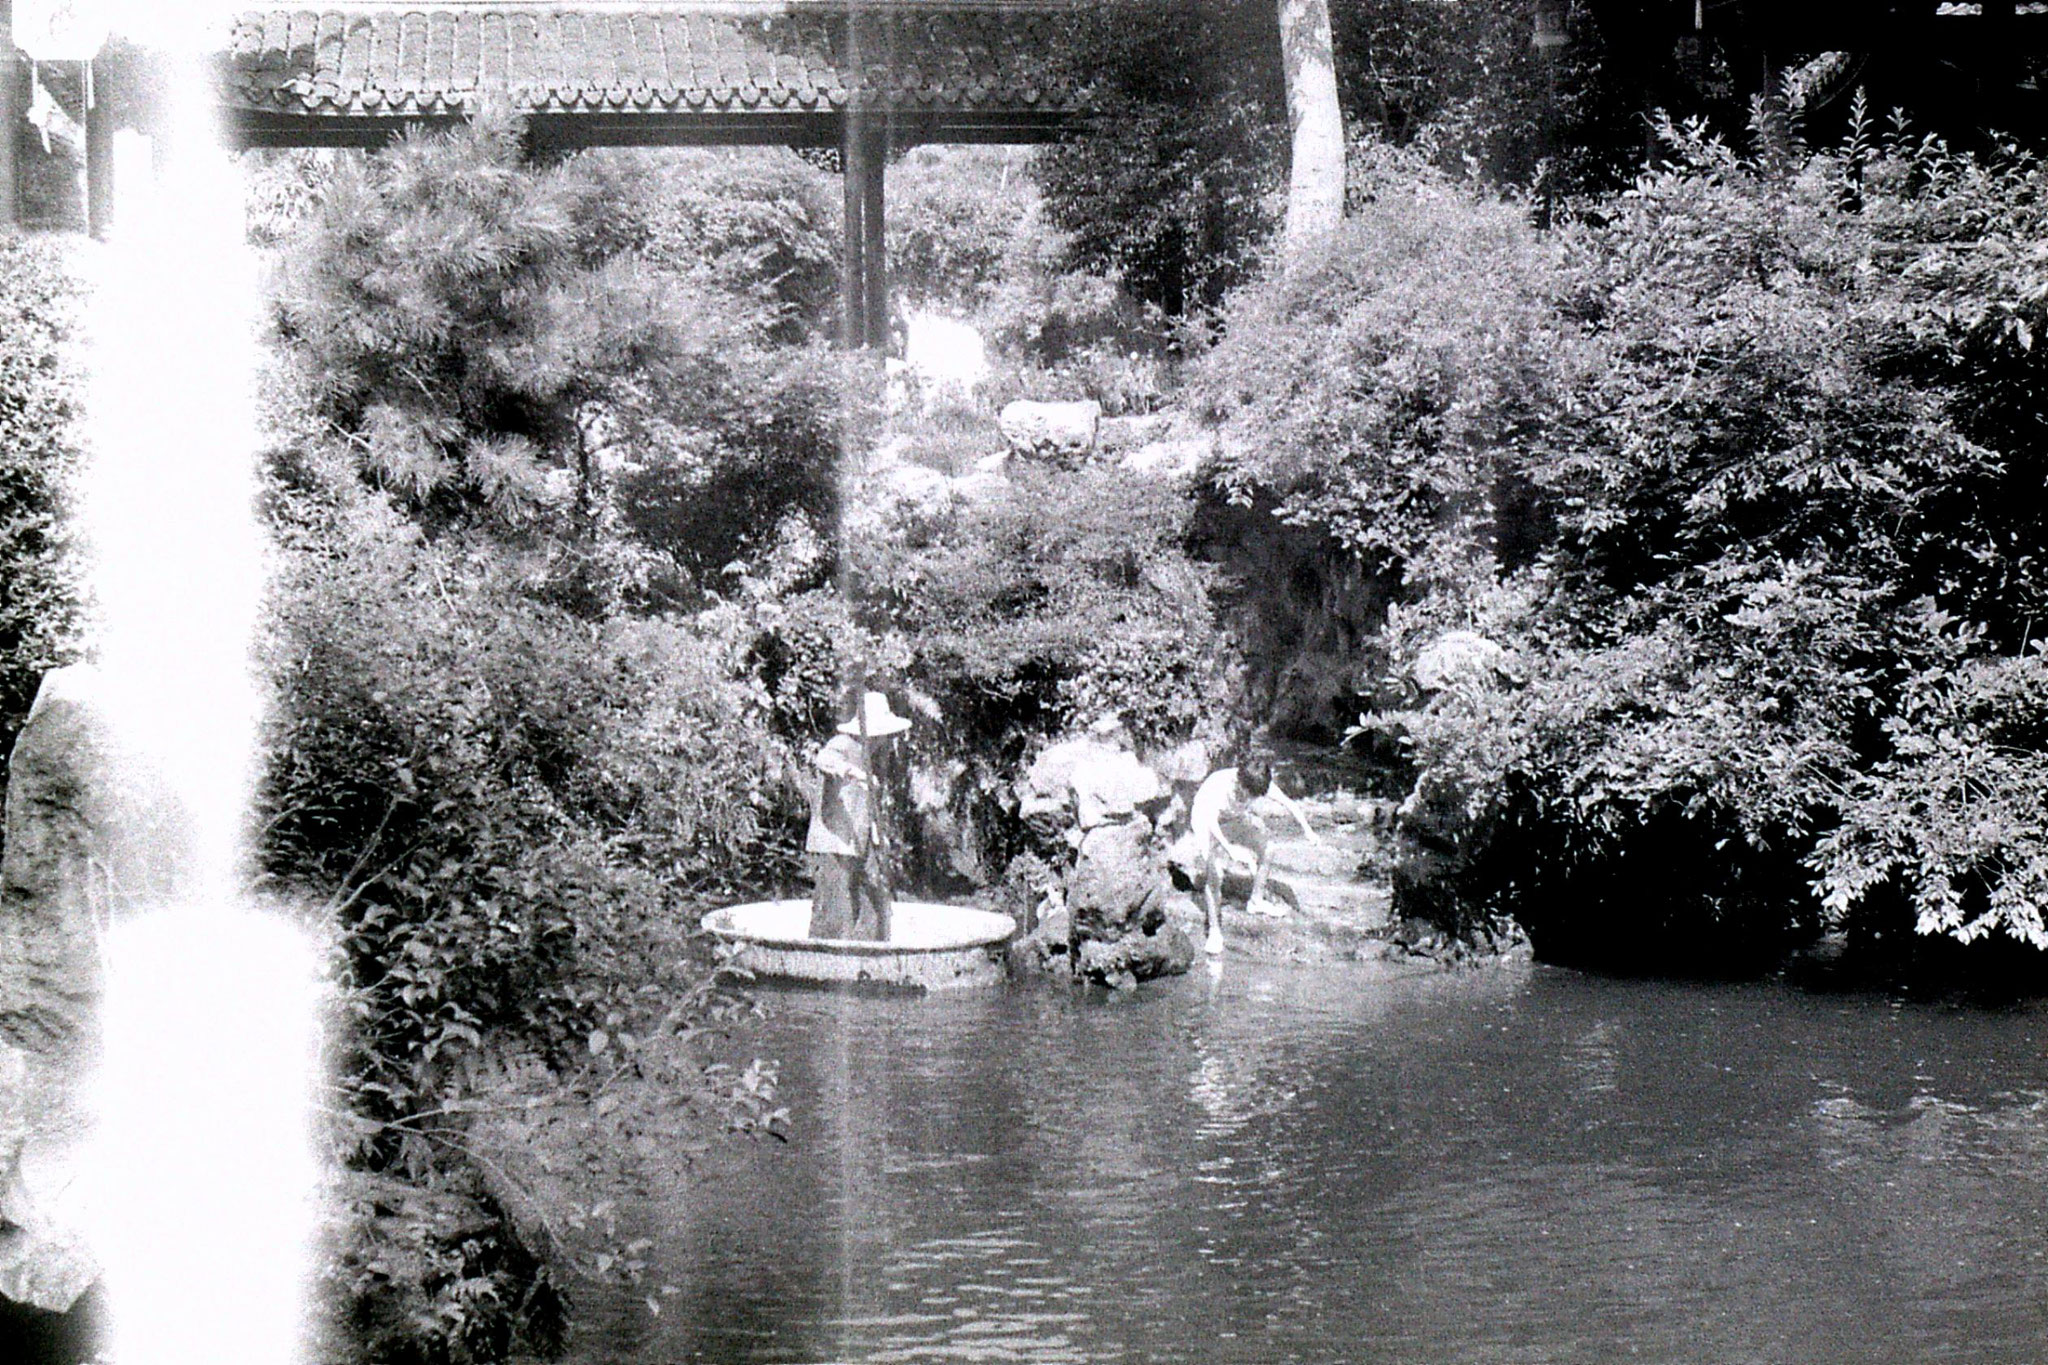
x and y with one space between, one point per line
1214 946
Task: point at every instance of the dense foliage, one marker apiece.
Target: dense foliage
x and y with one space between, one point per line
1741 476
1044 606
548 355
971 239
761 224
1021 611
39 414
517 430
1175 185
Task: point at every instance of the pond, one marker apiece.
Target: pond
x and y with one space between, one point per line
1287 1164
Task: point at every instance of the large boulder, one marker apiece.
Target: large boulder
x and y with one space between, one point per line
1051 429
1081 783
1118 885
1045 794
1136 957
915 491
87 837
45 1261
1116 907
1113 786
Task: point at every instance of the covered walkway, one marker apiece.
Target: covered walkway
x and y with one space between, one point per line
865 78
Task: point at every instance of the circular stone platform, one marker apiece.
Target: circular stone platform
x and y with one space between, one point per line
931 947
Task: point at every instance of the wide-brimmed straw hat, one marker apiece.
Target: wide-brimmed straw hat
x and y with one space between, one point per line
880 719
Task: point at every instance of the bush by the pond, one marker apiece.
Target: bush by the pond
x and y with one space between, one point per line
509 815
1742 472
39 415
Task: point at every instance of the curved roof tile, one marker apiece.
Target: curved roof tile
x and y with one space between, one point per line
665 58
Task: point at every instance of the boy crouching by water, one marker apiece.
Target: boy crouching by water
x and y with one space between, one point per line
1228 819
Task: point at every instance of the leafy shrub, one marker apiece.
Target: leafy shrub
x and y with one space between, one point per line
523 421
1389 385
499 800
760 226
39 415
432 1277
1009 615
1379 400
963 223
1029 612
711 475
567 356
457 328
970 238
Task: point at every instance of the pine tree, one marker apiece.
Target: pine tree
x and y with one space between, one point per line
459 327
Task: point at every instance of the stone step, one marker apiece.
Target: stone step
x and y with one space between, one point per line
1333 858
1290 938
1365 904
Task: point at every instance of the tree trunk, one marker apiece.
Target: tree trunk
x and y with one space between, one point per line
1315 184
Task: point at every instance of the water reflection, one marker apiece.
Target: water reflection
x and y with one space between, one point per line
1288 1165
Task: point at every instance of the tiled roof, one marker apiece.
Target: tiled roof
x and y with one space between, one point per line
730 58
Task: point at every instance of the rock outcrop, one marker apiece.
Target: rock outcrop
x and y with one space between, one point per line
86 837
1118 885
1101 801
44 1259
1060 430
55 879
1175 459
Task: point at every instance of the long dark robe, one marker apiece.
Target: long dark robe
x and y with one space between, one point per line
850 898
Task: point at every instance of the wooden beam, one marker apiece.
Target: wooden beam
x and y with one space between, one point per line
573 132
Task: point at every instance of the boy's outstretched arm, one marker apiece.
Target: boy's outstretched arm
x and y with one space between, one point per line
1295 810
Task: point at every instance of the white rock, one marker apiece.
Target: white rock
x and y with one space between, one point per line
1051 428
45 1260
1050 778
888 455
982 486
1460 656
1180 458
1111 786
1189 762
916 490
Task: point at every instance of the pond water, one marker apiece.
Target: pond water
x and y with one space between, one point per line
1284 1164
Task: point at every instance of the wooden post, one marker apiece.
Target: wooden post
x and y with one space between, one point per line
10 119
854 173
99 155
1552 35
875 252
864 279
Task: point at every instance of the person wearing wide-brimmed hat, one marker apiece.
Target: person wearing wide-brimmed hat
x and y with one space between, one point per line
850 897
